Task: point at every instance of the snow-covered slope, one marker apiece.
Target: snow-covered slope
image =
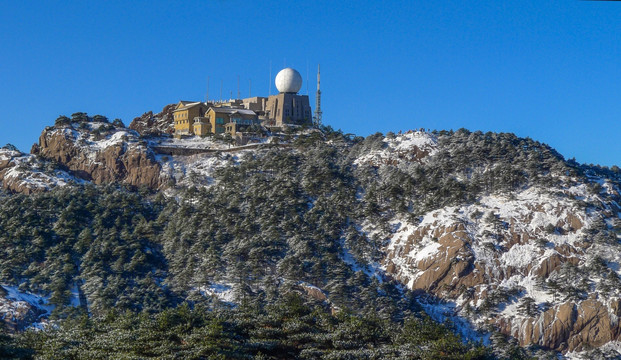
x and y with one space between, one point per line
539 264
489 229
28 174
411 146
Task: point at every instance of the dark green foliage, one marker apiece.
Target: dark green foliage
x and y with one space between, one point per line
10 147
288 329
528 307
10 349
118 123
79 117
507 348
100 118
100 239
62 120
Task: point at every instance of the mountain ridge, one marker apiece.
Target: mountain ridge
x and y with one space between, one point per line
489 224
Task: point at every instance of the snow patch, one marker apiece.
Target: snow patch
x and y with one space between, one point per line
520 255
16 300
400 147
223 292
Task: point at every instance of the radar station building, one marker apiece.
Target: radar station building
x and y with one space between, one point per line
236 116
288 107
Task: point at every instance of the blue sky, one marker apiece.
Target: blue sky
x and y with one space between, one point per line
549 70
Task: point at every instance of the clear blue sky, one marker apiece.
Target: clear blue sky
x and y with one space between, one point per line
549 70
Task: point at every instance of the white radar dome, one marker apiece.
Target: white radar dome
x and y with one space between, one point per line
288 80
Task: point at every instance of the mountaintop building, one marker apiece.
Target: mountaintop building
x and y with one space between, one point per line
238 115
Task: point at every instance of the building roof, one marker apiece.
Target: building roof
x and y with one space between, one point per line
254 99
188 104
233 110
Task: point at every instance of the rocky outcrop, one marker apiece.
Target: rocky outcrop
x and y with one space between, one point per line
15 314
488 259
155 125
28 174
20 316
117 157
569 326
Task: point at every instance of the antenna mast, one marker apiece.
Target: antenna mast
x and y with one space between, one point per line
318 112
207 95
238 96
270 82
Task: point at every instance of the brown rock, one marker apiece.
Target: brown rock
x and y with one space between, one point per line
314 292
134 165
155 125
17 315
574 222
568 327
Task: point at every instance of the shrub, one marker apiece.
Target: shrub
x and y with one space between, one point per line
62 120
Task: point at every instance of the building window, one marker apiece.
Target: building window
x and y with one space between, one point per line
219 120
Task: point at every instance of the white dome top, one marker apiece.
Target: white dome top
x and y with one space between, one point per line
288 80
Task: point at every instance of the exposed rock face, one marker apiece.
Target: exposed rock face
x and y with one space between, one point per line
489 257
314 292
15 314
119 156
155 125
28 174
20 316
569 326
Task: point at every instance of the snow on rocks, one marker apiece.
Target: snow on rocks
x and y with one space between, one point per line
101 153
224 292
29 174
195 170
407 147
19 310
485 258
192 142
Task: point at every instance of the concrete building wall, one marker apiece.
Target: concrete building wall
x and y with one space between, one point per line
256 104
287 108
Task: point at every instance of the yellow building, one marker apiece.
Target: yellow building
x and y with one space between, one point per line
218 117
184 115
202 126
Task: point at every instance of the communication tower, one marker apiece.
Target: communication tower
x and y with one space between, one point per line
318 99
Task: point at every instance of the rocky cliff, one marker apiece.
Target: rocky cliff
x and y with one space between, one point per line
101 153
28 174
150 124
538 264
